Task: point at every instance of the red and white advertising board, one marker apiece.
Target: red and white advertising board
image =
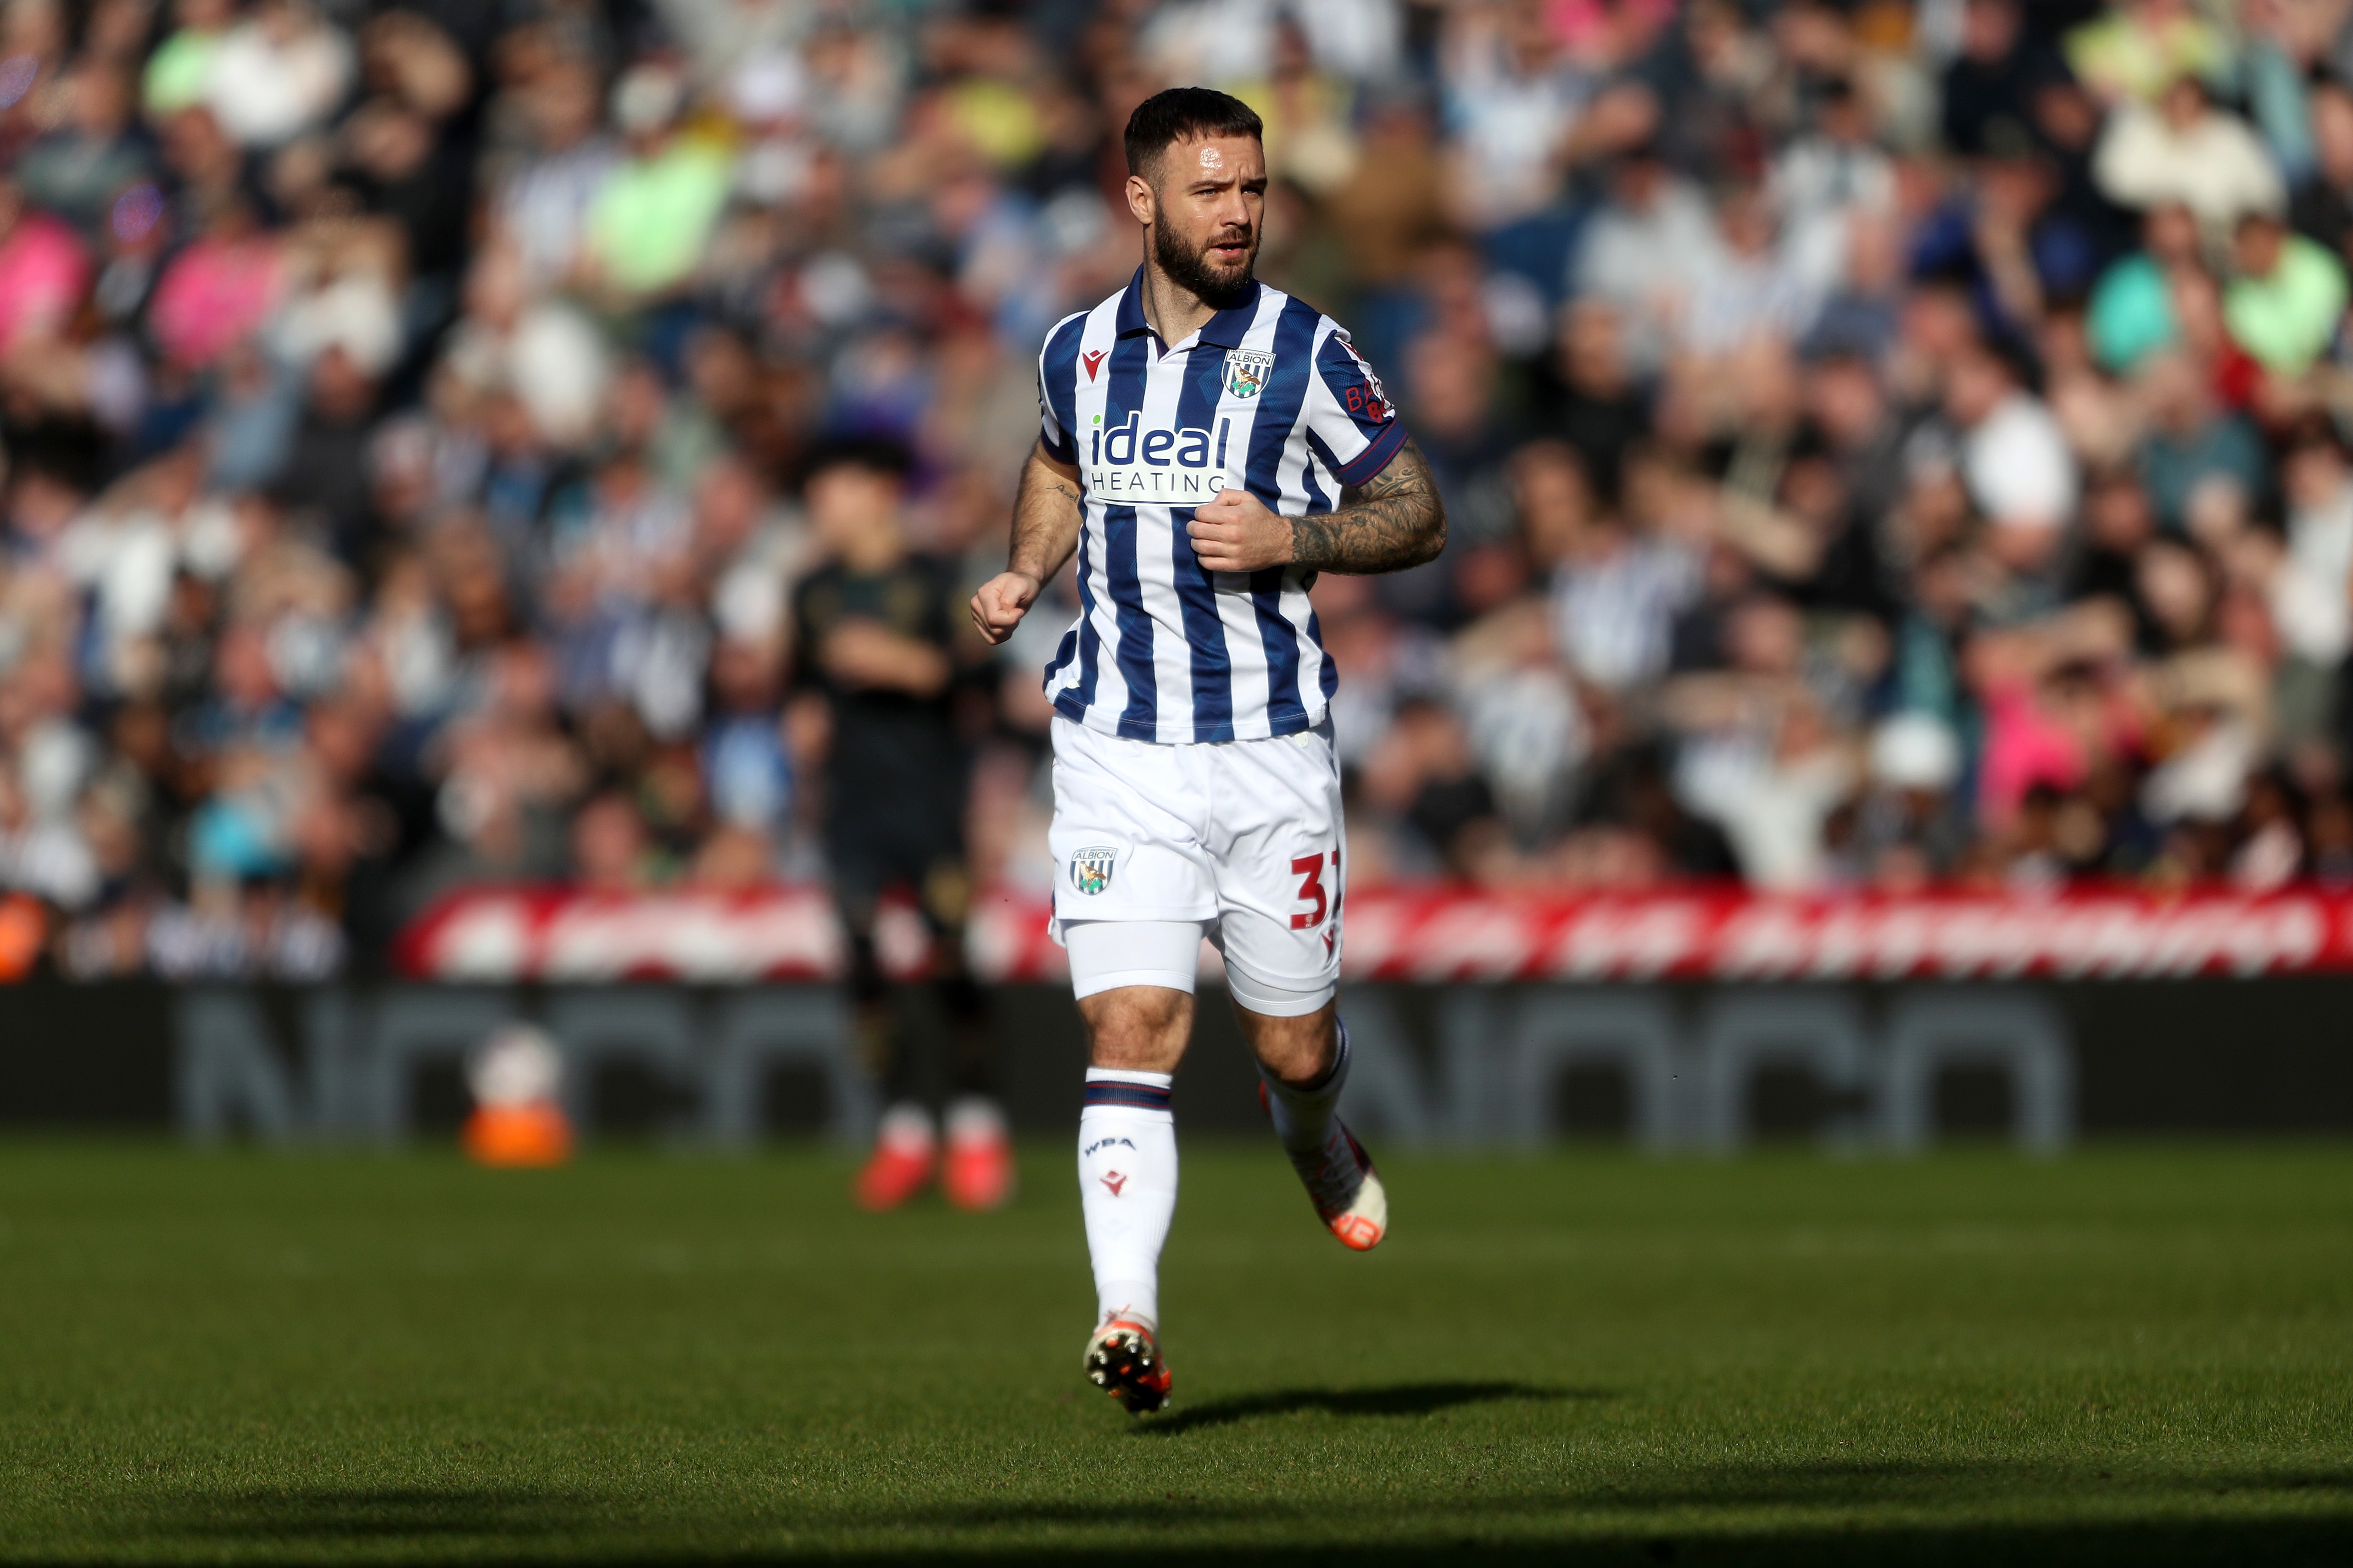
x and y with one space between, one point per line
1431 935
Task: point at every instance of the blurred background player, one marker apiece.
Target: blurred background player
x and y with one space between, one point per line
877 634
1196 429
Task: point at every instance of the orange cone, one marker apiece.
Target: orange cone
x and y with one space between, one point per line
519 1135
23 928
517 1120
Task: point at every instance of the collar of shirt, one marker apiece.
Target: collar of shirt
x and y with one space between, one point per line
1225 330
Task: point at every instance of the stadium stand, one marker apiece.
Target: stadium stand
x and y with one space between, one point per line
1897 452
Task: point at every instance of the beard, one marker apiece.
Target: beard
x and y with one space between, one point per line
1191 270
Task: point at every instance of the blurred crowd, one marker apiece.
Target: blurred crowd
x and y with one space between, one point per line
1888 445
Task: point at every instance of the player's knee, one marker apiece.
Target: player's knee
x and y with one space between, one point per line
1137 1028
1297 1049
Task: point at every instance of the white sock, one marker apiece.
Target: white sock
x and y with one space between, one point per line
1303 1115
1127 1187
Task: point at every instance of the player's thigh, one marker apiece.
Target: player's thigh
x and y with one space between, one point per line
1279 866
1133 891
1126 835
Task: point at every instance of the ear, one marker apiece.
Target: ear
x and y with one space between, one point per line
1141 201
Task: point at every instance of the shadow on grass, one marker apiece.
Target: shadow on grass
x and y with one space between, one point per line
1705 1515
1839 1484
2273 1544
1395 1399
317 1516
1729 1491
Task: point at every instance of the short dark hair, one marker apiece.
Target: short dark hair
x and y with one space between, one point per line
875 454
1183 114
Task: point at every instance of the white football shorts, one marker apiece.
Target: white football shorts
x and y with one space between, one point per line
1156 846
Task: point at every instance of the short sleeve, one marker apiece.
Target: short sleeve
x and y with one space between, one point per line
1058 388
1050 434
1351 422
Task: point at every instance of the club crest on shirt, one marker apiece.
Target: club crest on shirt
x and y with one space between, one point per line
1091 869
1248 371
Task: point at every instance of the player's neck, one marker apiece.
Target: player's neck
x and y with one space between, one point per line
875 550
1174 311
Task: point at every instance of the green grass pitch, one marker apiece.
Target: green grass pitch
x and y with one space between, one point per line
2131 1355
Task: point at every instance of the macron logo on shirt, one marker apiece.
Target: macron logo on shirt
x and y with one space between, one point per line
1135 464
1093 358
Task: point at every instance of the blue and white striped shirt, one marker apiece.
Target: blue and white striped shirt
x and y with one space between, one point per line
1269 394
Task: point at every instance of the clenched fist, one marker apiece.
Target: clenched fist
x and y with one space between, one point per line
1001 603
1235 532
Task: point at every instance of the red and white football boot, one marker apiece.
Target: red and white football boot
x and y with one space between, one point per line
1123 1360
1342 1183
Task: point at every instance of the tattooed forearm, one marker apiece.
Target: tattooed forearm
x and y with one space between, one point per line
1045 517
1393 521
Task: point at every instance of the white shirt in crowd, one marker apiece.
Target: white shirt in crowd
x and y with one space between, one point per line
1614 619
269 79
1652 263
1232 40
1771 808
2309 591
2217 167
2017 466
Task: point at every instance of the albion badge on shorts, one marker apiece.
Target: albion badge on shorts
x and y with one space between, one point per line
1091 869
1248 371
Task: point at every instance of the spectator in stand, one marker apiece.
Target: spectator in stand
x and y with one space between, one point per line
2185 150
654 211
2287 299
2013 456
78 171
2141 49
1647 252
2303 586
2322 206
543 208
43 270
1989 86
278 73
2191 443
1593 404
180 67
2133 310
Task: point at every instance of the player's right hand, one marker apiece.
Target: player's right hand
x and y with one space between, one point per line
1001 603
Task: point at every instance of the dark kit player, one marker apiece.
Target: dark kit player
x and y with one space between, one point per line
1207 446
876 629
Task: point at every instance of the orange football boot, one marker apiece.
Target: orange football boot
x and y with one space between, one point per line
977 1172
904 1153
1342 1183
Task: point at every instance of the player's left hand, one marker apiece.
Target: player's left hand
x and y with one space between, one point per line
1235 532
